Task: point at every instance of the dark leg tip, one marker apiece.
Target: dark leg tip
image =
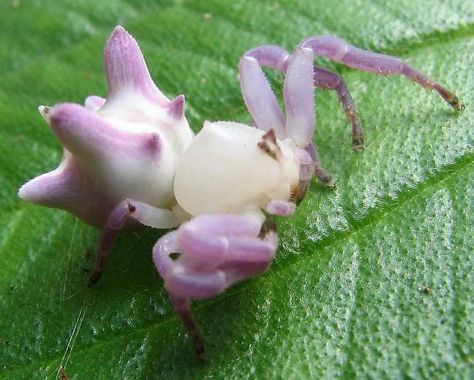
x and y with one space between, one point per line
267 226
199 350
456 103
331 184
325 178
450 97
94 277
358 148
358 144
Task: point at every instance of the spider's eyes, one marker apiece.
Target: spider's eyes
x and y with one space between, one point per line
175 255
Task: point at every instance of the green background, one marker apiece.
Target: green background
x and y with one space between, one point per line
344 297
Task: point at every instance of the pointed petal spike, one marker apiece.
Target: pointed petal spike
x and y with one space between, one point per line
176 107
52 188
69 188
43 189
86 134
125 67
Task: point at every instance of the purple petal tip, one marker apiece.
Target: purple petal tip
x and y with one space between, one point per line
176 107
120 35
61 113
119 28
34 190
122 46
23 192
125 67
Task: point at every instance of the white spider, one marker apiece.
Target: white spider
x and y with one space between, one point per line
132 157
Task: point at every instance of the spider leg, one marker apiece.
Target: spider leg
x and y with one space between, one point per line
329 80
299 97
340 51
182 306
213 253
323 175
193 286
259 98
299 103
277 58
210 241
307 167
298 92
282 208
116 221
299 100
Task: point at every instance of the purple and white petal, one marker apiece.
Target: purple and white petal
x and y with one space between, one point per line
176 107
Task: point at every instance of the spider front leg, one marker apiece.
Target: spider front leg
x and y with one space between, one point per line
278 58
207 255
300 119
118 219
263 106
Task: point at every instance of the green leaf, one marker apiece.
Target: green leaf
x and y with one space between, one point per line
372 280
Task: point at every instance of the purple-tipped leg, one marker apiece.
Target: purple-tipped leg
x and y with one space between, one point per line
299 97
207 255
329 80
259 98
278 58
300 120
117 220
339 50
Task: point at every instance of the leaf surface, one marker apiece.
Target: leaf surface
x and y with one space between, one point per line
373 279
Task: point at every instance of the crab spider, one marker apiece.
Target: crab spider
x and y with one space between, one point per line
132 159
